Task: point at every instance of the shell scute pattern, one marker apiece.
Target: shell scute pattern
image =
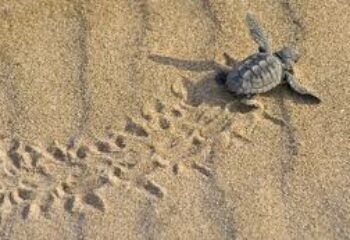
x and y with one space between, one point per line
258 73
265 74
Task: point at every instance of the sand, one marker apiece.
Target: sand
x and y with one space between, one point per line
113 127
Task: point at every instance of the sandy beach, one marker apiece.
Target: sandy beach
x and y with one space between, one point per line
113 126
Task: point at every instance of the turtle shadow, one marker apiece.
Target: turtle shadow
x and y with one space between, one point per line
188 65
210 89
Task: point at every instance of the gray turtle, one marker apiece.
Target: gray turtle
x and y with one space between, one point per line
264 70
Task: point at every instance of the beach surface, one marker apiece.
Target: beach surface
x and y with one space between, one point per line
112 125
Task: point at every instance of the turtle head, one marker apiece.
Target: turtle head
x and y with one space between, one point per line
288 56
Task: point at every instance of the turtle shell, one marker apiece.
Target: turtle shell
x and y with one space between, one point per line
257 73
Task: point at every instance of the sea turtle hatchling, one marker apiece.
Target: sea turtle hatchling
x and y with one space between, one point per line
264 70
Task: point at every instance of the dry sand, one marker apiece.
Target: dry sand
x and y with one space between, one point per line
112 126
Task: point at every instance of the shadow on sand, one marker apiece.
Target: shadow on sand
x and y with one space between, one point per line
210 90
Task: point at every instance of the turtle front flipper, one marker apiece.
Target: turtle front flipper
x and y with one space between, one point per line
294 85
257 33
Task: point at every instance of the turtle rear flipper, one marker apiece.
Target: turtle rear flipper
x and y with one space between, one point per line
257 33
294 85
